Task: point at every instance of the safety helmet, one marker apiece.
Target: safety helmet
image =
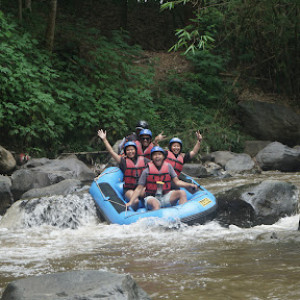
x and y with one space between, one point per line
157 149
141 125
175 140
146 132
130 143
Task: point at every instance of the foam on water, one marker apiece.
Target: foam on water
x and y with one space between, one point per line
68 211
32 245
59 233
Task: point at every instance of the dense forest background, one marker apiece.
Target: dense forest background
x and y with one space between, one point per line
70 67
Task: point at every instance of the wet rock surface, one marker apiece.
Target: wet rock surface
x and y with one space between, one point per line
87 285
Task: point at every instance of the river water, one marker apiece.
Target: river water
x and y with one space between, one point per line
169 261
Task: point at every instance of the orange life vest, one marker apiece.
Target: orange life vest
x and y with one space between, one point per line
158 175
147 152
176 162
133 172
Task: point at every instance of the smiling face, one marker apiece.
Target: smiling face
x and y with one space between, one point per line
145 140
130 151
176 148
158 158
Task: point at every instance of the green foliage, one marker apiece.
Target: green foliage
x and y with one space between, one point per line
204 85
263 37
59 101
199 100
56 102
200 32
28 109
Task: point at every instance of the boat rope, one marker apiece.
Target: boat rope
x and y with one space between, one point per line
126 207
194 178
104 173
115 202
107 199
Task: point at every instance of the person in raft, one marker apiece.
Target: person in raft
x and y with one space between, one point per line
141 124
157 178
144 144
135 136
176 158
131 164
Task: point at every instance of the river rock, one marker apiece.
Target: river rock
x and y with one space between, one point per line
87 285
24 180
37 162
253 147
6 197
65 187
222 157
270 121
240 163
195 170
70 211
277 156
44 172
7 161
213 169
256 204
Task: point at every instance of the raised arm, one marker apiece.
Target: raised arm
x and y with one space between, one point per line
114 155
159 138
197 145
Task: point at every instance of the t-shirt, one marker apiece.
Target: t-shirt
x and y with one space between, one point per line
143 178
187 158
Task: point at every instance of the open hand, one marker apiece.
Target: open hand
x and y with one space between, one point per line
159 138
199 136
102 134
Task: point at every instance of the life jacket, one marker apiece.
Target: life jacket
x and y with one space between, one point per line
133 172
147 152
175 162
158 175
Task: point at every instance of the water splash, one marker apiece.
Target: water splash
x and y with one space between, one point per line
69 211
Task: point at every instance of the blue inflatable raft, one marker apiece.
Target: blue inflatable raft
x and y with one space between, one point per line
107 191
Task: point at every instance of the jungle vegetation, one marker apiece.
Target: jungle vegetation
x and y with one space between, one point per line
70 67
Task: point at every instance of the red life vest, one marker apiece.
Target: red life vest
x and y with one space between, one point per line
175 162
147 152
158 175
133 172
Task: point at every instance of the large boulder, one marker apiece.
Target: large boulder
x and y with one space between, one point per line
71 211
240 163
256 204
7 161
87 285
69 167
195 170
24 180
6 197
277 156
65 187
270 121
253 147
39 173
222 157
